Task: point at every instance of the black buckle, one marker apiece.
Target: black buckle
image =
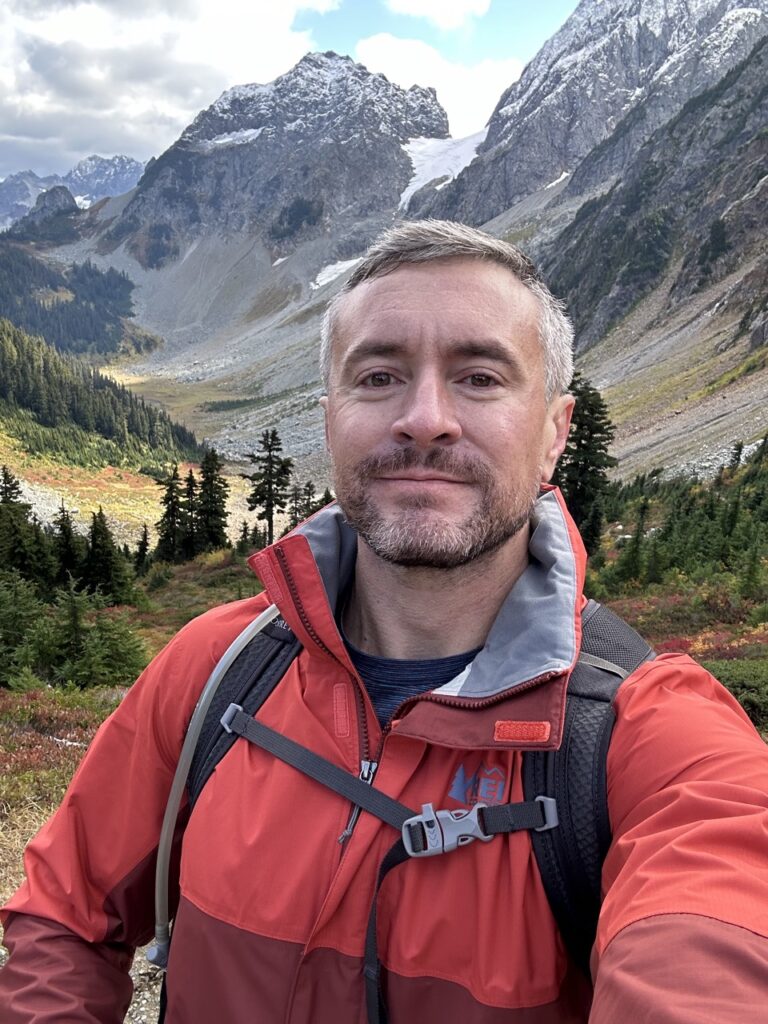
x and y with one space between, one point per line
444 831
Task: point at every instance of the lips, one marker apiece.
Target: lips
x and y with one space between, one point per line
426 478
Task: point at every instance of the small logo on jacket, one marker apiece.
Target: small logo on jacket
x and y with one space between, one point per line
485 785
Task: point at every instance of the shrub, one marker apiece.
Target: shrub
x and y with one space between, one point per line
747 679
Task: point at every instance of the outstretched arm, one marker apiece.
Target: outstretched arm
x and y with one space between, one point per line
683 935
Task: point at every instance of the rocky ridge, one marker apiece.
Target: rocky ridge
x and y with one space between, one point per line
607 60
90 180
313 153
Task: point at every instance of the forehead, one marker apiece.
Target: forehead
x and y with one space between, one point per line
448 301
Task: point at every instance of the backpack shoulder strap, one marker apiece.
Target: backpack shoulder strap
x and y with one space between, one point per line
570 858
249 681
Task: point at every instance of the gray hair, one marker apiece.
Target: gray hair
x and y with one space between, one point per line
423 241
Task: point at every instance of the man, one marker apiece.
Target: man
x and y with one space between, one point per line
438 606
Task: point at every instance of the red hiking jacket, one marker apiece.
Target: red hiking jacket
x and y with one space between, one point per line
272 913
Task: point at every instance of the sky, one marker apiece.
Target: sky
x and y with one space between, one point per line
127 76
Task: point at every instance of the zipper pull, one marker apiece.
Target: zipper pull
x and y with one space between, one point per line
367 772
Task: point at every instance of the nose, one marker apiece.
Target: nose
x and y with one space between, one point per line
427 415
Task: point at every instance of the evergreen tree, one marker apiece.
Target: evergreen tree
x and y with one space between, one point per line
582 470
270 480
751 582
170 525
190 541
309 500
141 558
69 549
78 643
629 565
258 538
105 569
20 609
243 540
296 508
212 503
10 488
325 499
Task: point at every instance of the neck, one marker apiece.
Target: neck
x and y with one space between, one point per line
403 612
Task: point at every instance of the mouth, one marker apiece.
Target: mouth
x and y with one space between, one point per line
422 478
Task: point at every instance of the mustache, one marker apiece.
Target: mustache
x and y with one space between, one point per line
442 460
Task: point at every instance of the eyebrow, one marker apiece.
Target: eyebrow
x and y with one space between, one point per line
483 349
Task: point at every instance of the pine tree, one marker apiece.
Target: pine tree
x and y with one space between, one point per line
69 549
243 540
270 481
190 540
105 569
212 503
309 500
296 508
751 581
629 564
10 488
170 525
325 499
141 557
582 470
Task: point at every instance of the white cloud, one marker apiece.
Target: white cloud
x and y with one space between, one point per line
467 92
78 77
446 14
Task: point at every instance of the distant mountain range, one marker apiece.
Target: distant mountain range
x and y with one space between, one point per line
91 179
631 159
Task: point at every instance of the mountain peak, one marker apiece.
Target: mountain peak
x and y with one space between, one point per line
324 94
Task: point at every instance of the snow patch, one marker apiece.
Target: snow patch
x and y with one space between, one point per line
279 260
438 158
241 138
83 202
557 181
331 272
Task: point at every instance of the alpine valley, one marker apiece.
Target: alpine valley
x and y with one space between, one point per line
630 160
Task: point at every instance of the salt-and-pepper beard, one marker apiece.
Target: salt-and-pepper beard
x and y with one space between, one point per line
417 535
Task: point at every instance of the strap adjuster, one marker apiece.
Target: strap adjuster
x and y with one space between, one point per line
433 832
549 806
229 716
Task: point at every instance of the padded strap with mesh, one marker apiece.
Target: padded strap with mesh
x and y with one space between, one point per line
570 858
253 676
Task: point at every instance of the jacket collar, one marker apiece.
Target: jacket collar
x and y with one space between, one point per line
537 632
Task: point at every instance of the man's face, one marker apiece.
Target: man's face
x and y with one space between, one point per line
436 417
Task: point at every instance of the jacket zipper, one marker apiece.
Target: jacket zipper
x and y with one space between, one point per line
367 772
362 720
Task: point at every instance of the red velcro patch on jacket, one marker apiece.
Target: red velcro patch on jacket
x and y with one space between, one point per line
532 732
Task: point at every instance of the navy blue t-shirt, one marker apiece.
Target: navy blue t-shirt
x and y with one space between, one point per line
390 681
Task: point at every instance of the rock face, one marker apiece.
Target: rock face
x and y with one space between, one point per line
318 150
92 179
697 191
98 176
617 68
51 203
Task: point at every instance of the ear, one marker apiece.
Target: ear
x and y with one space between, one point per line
324 406
556 433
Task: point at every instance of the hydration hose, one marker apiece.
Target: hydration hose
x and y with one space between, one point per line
157 954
